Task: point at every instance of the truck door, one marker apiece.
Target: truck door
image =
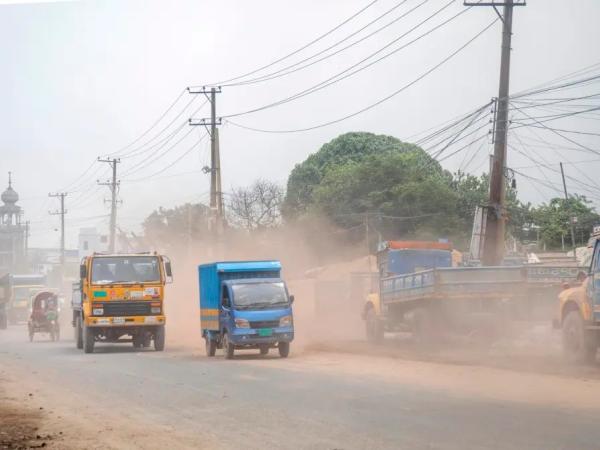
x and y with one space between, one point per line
594 284
225 316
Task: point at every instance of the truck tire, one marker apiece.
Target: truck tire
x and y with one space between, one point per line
374 327
31 332
137 341
228 347
284 349
578 346
89 339
159 338
211 346
78 333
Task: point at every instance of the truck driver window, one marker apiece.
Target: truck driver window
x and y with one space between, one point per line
225 297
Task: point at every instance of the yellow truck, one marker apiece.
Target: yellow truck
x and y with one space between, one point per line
120 298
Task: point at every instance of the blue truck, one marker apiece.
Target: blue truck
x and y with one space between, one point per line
422 290
245 305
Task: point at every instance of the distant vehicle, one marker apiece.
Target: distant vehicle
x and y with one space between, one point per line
15 294
121 295
245 305
44 315
578 314
420 291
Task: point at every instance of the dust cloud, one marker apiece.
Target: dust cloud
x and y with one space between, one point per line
318 266
330 280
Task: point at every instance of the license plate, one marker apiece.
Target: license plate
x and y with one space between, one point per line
118 320
265 332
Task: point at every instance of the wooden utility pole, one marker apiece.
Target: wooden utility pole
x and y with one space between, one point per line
562 172
493 249
113 184
216 195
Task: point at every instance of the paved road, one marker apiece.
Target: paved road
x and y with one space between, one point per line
311 400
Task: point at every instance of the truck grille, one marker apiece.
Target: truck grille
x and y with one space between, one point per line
264 324
128 308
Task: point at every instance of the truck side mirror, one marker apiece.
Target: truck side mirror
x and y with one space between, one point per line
82 271
168 269
292 298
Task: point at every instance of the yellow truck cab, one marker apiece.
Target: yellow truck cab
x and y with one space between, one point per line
121 295
578 314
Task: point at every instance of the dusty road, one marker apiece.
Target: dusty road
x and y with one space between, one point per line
121 398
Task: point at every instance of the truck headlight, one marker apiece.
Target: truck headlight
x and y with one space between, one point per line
155 310
242 323
98 311
286 321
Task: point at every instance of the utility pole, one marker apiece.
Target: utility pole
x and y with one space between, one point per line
113 184
61 213
493 250
216 195
562 172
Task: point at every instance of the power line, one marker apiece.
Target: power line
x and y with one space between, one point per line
156 122
314 41
293 68
338 76
377 103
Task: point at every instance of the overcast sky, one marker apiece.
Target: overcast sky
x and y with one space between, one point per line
84 79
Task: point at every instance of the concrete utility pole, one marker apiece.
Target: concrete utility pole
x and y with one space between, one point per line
562 172
114 184
61 213
493 250
216 195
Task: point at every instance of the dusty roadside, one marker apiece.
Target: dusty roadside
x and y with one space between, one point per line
37 414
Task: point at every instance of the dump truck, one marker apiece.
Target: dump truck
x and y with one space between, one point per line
120 298
245 305
578 314
15 292
421 291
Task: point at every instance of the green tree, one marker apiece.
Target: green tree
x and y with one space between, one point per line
553 219
346 148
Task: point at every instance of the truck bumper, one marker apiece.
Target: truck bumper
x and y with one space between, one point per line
132 321
249 336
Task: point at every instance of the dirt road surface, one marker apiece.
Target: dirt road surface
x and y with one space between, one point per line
54 396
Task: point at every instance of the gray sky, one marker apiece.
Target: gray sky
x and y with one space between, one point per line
84 79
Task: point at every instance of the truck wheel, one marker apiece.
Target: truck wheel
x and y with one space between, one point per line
578 346
88 339
159 338
374 327
137 341
228 347
78 333
211 346
264 350
284 349
31 332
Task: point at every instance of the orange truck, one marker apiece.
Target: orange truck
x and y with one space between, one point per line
120 298
578 314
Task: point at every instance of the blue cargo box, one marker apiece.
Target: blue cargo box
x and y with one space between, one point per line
211 275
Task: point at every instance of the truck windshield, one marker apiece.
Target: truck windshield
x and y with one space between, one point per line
125 269
259 295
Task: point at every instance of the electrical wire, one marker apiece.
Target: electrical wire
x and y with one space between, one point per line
348 71
293 68
304 47
377 103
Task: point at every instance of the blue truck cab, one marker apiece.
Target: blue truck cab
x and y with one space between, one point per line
245 305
